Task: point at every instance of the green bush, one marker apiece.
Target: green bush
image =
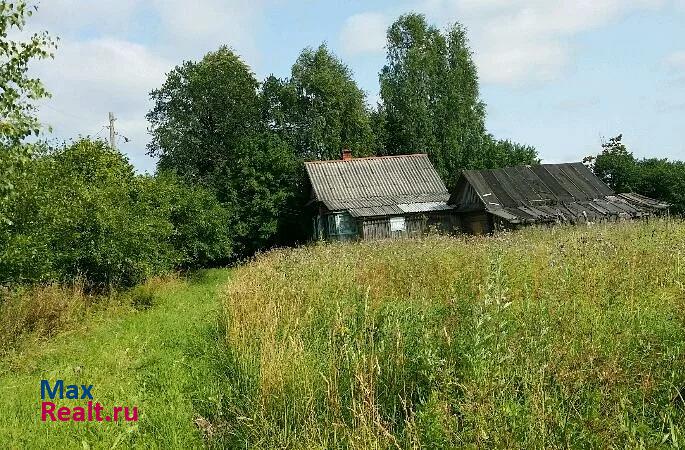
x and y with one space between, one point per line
202 228
142 296
81 211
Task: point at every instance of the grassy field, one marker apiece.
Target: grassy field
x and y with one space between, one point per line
162 356
541 338
544 338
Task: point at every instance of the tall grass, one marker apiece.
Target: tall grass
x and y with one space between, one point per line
542 338
41 311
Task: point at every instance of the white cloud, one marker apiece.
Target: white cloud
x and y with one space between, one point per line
529 61
192 29
675 65
113 65
515 41
99 66
181 28
676 60
88 79
68 17
577 103
364 33
669 106
520 41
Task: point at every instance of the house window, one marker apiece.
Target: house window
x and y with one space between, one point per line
397 224
341 224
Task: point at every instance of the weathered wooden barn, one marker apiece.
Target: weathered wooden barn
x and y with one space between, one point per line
378 197
507 198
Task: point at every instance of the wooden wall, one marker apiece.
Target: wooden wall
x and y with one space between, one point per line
476 222
466 198
379 227
415 225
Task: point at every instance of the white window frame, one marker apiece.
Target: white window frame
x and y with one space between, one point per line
397 224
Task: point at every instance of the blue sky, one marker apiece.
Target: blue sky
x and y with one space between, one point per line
557 75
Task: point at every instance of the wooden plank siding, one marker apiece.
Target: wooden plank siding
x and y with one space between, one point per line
379 228
477 222
415 225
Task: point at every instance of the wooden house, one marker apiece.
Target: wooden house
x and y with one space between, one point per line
487 200
378 197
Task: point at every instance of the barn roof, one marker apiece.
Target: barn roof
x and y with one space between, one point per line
378 186
549 192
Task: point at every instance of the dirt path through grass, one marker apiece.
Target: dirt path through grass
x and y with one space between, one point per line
160 360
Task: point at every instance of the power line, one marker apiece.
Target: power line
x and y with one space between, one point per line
101 130
123 134
64 112
74 116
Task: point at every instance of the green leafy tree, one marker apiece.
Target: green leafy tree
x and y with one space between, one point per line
279 104
502 153
431 101
410 86
664 180
208 128
656 178
201 228
320 110
18 91
616 166
379 131
75 215
265 192
201 113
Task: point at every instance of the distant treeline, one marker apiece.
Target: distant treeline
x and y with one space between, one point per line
653 177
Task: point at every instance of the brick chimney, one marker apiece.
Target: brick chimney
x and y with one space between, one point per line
346 154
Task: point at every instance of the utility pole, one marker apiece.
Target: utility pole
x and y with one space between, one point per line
112 134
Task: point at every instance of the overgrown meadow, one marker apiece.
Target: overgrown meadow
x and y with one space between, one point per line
549 337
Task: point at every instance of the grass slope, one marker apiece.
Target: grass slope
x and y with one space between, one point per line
163 360
541 338
562 337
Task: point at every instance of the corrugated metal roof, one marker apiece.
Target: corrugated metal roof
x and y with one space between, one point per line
423 207
552 192
377 186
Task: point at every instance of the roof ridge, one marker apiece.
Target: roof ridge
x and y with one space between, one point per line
524 165
365 158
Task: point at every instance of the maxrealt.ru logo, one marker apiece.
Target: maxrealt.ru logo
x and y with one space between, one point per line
90 412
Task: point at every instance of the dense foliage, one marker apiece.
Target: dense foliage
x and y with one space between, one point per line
320 110
81 212
207 128
230 178
18 92
653 177
216 126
